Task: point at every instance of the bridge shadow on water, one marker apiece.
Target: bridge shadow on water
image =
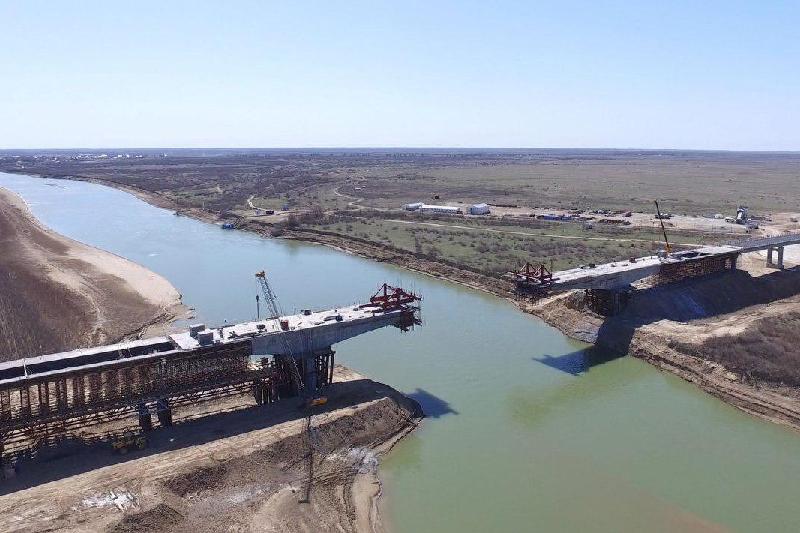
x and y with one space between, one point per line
579 362
73 456
683 301
432 406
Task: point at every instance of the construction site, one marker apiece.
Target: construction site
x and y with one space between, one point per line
49 398
607 286
255 426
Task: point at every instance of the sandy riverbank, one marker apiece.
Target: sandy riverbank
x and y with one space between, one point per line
58 294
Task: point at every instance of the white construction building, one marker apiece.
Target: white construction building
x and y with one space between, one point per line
479 209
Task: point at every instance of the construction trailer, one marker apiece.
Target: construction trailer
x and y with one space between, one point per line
479 209
440 210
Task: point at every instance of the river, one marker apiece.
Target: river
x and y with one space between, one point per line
524 432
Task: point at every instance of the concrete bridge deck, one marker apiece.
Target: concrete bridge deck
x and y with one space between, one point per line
619 275
151 375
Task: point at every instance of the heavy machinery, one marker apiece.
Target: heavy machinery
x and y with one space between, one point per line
275 312
742 215
129 441
309 399
531 278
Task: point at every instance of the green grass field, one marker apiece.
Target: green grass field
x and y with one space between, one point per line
494 248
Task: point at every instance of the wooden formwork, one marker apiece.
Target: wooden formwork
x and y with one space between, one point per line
606 302
42 409
672 272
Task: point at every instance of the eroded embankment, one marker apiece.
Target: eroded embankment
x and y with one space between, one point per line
734 335
246 470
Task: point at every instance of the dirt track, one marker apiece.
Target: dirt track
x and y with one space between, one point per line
58 294
242 470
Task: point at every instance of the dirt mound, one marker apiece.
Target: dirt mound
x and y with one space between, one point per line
273 480
156 519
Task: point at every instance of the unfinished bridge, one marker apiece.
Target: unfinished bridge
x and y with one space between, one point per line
607 283
274 358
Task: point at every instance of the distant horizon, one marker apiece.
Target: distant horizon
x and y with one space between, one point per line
392 148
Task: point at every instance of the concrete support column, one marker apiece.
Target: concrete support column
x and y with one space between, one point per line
771 258
164 412
310 372
145 419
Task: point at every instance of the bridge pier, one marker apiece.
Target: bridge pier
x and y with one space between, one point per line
770 262
317 369
164 412
607 302
310 373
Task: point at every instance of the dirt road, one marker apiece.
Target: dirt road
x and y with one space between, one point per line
58 294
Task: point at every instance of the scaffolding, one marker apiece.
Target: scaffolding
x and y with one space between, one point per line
39 410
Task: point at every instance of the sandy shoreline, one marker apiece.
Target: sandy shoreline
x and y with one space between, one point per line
62 294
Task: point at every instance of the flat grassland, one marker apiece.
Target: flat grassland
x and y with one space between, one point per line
684 181
359 193
494 247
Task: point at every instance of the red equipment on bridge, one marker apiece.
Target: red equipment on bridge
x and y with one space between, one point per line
390 298
531 277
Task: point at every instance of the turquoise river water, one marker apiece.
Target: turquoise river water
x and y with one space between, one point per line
523 433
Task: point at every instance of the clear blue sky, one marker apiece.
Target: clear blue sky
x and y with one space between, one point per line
719 75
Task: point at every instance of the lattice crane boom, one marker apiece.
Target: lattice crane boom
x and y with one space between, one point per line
272 301
276 312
